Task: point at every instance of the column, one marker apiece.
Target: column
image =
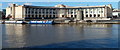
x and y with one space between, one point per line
103 12
88 12
84 12
73 13
70 12
79 15
38 13
100 12
92 12
44 12
96 12
24 12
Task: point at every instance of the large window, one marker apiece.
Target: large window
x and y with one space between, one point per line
101 11
94 15
75 16
53 15
98 15
86 15
71 15
86 11
90 15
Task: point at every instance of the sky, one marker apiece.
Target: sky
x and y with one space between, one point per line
59 0
114 4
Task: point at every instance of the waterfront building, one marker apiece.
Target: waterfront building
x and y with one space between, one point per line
103 12
116 13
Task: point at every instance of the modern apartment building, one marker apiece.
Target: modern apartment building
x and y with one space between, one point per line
103 12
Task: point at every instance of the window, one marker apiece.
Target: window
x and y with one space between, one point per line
53 12
46 15
62 15
71 12
39 12
75 16
71 15
86 11
90 15
50 16
101 11
43 12
53 15
39 15
90 11
32 16
94 15
98 15
42 15
86 15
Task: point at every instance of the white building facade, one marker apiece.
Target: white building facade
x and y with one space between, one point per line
79 13
116 13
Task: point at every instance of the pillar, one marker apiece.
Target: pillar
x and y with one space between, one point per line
100 12
103 12
79 15
73 13
38 13
84 12
92 12
88 12
44 12
96 12
13 11
52 12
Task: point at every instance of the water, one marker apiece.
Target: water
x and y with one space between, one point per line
60 36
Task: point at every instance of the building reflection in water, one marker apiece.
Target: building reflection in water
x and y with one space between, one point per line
0 36
17 35
14 35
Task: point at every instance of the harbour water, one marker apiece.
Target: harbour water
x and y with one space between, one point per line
60 35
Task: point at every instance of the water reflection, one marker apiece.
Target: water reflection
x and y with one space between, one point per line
0 36
13 35
17 35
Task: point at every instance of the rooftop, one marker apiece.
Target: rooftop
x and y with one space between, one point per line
65 6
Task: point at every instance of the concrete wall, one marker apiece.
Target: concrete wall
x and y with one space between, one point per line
18 12
109 10
8 11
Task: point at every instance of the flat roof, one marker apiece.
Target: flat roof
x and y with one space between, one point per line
30 6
